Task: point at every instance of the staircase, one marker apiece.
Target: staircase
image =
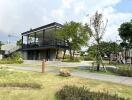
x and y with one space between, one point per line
9 49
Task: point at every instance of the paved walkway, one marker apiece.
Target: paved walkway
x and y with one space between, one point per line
103 77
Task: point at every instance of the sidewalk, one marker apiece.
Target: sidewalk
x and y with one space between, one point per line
102 77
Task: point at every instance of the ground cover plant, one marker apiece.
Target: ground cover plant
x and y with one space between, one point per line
82 93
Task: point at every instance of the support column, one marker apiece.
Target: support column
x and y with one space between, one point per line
35 38
22 41
27 39
43 35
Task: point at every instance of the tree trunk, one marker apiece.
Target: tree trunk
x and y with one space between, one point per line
57 54
70 55
125 57
98 66
98 57
73 54
64 54
69 44
131 60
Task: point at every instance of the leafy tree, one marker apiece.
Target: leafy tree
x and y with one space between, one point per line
125 32
106 48
75 34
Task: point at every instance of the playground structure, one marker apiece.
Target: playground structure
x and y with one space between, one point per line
124 57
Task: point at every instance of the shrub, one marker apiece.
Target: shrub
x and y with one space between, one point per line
76 59
88 57
14 58
124 72
64 72
81 93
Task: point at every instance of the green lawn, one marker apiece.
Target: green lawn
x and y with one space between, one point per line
24 65
50 83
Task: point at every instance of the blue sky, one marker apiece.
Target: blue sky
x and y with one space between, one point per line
124 6
17 16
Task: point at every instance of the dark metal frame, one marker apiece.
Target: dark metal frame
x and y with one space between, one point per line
56 43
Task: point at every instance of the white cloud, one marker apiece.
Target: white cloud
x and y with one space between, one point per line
79 7
17 16
115 19
67 3
58 13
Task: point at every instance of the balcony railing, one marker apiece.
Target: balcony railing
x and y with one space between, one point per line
47 44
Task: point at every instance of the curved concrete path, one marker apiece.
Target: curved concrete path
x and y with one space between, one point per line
103 77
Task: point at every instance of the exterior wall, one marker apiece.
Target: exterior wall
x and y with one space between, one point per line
52 54
1 56
49 54
24 54
60 54
42 55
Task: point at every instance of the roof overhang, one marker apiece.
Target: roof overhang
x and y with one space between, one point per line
42 28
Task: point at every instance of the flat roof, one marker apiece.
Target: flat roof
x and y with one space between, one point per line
43 27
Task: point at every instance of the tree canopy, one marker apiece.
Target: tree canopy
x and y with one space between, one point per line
125 32
75 34
106 48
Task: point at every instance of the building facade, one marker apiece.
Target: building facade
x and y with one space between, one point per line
43 43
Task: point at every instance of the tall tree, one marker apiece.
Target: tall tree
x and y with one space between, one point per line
98 26
125 32
76 35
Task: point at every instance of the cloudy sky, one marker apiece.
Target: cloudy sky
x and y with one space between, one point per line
17 16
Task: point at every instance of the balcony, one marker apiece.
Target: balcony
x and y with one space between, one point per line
46 44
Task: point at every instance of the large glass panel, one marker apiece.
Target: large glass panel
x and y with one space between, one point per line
39 37
31 38
49 34
24 39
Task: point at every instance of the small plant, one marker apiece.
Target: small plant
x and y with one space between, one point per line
76 59
82 93
124 72
14 58
64 72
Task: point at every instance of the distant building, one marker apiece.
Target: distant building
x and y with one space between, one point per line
122 57
42 43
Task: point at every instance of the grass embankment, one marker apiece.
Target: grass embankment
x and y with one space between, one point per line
49 85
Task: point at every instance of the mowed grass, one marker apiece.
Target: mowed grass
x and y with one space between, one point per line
50 84
23 65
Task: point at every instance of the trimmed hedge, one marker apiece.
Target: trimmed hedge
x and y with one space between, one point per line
81 93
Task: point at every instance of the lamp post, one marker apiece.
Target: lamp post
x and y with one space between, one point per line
43 65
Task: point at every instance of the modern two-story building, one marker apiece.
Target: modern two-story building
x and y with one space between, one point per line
42 43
